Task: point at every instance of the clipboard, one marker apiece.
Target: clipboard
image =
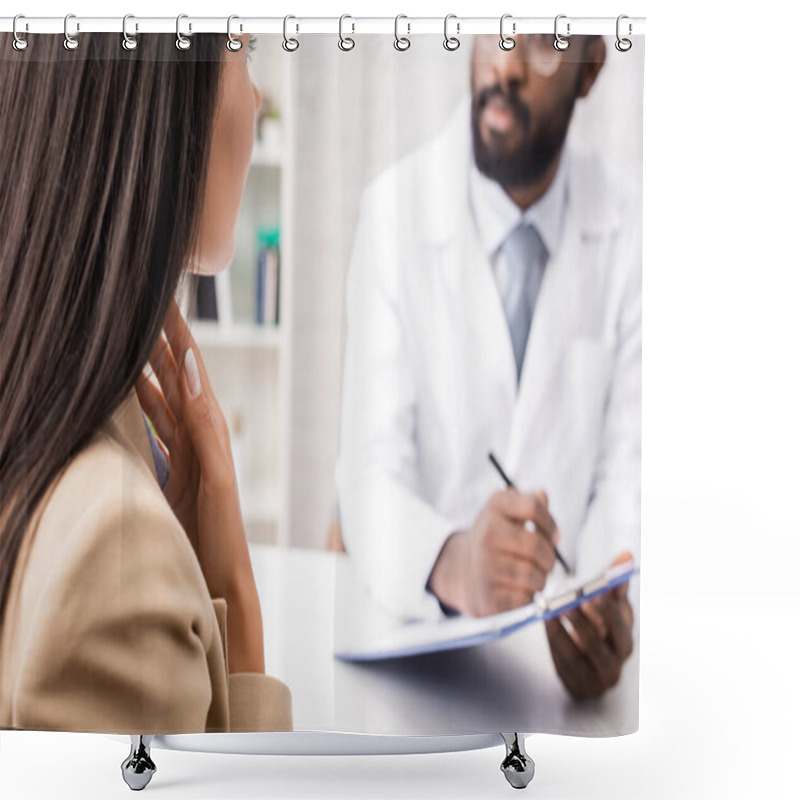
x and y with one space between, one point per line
401 640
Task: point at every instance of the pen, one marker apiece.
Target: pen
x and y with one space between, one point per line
510 484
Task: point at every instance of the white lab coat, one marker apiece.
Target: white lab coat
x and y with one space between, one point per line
429 382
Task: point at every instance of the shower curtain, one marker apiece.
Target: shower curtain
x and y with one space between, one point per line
427 349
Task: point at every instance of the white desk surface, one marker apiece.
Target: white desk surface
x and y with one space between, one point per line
506 685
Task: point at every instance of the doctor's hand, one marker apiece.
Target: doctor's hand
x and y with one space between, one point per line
590 643
202 489
499 563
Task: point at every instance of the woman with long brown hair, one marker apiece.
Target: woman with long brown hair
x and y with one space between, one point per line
127 597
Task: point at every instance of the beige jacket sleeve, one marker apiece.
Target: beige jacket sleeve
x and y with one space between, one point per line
257 702
125 638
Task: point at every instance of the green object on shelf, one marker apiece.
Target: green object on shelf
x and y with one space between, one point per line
267 289
269 236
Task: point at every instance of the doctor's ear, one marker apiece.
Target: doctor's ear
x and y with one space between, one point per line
593 59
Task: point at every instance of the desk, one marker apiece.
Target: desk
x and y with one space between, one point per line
505 685
434 703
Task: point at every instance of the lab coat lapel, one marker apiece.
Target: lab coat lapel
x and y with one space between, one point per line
546 345
486 354
560 310
474 306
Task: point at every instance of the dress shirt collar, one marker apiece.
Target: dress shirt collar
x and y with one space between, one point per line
162 467
496 214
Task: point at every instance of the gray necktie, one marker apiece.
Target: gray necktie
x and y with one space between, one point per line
526 254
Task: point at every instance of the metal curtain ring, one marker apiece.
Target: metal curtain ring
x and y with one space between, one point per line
506 42
623 45
128 42
290 44
401 42
70 42
451 42
560 43
182 43
346 42
19 43
233 44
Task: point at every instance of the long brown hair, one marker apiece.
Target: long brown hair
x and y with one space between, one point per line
104 155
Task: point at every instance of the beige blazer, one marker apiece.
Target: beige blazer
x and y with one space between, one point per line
109 626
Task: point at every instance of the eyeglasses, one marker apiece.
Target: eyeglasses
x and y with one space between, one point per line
542 57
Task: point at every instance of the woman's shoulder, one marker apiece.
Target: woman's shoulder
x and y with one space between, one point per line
105 523
111 625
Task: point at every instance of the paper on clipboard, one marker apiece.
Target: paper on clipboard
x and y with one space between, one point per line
380 636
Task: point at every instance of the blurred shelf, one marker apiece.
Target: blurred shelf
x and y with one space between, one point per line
266 156
210 334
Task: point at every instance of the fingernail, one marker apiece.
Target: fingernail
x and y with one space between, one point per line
192 373
557 536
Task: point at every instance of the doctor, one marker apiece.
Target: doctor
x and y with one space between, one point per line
494 304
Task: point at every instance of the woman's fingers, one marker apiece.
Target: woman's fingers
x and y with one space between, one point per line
156 408
179 367
168 359
163 363
206 425
180 339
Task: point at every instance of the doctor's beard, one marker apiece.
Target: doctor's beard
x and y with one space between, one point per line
530 161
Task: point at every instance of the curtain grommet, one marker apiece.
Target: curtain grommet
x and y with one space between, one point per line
234 43
289 44
623 44
506 42
346 43
128 42
559 42
451 42
182 42
401 43
18 43
70 42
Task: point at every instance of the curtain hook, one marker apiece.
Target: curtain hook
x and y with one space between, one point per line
182 43
289 44
346 42
401 42
623 45
560 43
128 42
233 44
506 42
70 42
451 42
19 43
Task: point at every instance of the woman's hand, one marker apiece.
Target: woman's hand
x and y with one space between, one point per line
202 488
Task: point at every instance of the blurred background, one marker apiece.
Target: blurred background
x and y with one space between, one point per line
273 327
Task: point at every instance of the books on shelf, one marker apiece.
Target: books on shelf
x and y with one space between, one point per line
206 298
214 296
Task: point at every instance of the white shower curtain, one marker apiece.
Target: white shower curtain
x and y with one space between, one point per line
427 349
